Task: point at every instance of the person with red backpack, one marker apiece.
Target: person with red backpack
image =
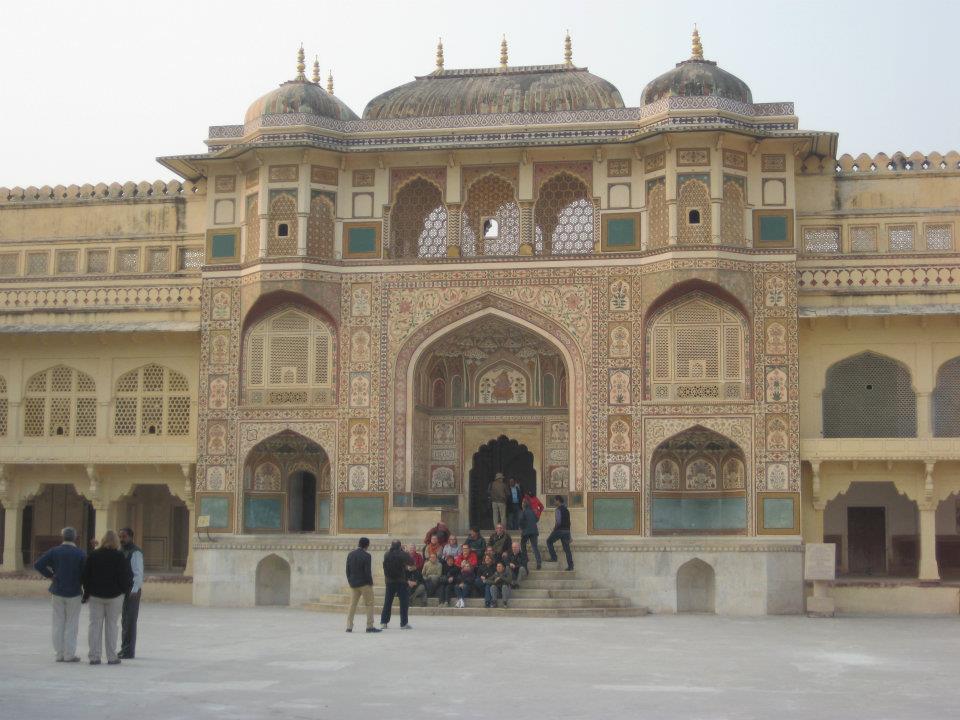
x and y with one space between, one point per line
529 531
535 504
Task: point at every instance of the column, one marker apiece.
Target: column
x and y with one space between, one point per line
670 178
923 415
12 535
527 229
818 505
929 570
264 215
103 518
191 532
454 222
716 194
303 207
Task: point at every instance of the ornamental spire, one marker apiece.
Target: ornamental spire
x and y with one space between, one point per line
301 66
440 54
697 49
316 70
568 51
330 82
503 53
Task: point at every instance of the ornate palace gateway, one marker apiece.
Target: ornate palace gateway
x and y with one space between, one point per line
690 318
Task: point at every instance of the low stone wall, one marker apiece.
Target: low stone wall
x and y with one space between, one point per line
752 576
895 598
155 589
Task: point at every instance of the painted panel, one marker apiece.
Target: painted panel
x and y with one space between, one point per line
363 513
777 513
699 514
262 513
614 514
217 509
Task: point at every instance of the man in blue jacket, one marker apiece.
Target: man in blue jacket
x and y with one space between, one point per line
63 565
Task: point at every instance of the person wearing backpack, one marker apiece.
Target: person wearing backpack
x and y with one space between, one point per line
395 562
529 531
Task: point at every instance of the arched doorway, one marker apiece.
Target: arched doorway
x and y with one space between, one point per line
286 483
273 581
160 522
55 507
696 583
501 455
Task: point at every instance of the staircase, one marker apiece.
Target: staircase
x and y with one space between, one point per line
545 593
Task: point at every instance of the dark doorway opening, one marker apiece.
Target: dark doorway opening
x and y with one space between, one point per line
867 540
303 502
501 455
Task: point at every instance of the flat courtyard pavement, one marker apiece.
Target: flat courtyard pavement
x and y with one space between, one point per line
278 663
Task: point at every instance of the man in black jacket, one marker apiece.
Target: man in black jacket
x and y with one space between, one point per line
561 532
395 562
360 579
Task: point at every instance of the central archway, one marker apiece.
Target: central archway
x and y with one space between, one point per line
501 455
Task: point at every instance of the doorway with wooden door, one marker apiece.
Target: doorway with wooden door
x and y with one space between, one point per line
867 540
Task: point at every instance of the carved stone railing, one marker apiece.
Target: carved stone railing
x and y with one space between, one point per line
86 298
101 191
881 163
879 277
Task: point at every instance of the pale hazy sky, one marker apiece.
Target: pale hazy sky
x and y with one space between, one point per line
94 91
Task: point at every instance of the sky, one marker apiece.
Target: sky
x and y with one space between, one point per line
94 92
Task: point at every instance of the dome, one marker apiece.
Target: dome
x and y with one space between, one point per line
490 91
301 96
486 91
698 78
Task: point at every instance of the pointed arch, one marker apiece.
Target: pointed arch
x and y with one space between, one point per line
418 220
60 401
489 304
946 400
563 216
151 400
490 196
869 395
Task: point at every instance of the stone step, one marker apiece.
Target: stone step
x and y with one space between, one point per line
542 612
523 592
343 601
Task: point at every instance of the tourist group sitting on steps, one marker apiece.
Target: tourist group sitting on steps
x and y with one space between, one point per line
453 571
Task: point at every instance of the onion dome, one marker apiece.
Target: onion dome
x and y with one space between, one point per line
300 96
504 89
697 77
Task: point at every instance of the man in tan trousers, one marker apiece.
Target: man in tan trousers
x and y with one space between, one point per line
498 500
360 579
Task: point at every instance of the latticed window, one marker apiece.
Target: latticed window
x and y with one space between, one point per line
821 239
37 263
282 226
869 395
900 238
697 350
8 264
320 225
659 223
491 218
152 400
939 237
98 261
863 238
252 228
60 402
693 202
158 260
564 217
128 260
731 213
418 221
3 406
190 258
67 261
946 400
287 354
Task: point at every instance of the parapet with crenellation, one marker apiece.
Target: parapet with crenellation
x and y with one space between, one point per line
101 191
881 163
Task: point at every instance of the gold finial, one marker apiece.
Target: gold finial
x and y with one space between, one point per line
440 54
503 53
568 51
316 70
697 53
301 66
330 82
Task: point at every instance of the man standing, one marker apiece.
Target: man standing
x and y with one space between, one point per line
131 601
395 562
360 580
64 566
515 498
498 499
561 532
529 531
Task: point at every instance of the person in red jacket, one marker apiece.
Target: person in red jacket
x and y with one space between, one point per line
466 556
535 504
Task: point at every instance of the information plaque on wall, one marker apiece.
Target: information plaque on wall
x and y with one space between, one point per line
820 561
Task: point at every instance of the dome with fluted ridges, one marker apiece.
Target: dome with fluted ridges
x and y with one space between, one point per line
487 91
697 77
299 96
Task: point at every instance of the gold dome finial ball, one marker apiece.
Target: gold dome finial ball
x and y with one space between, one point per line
697 50
503 52
316 70
330 82
568 50
440 54
301 65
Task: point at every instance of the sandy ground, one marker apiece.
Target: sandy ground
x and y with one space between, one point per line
202 663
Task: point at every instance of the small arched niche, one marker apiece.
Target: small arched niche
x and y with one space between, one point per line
696 587
273 581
